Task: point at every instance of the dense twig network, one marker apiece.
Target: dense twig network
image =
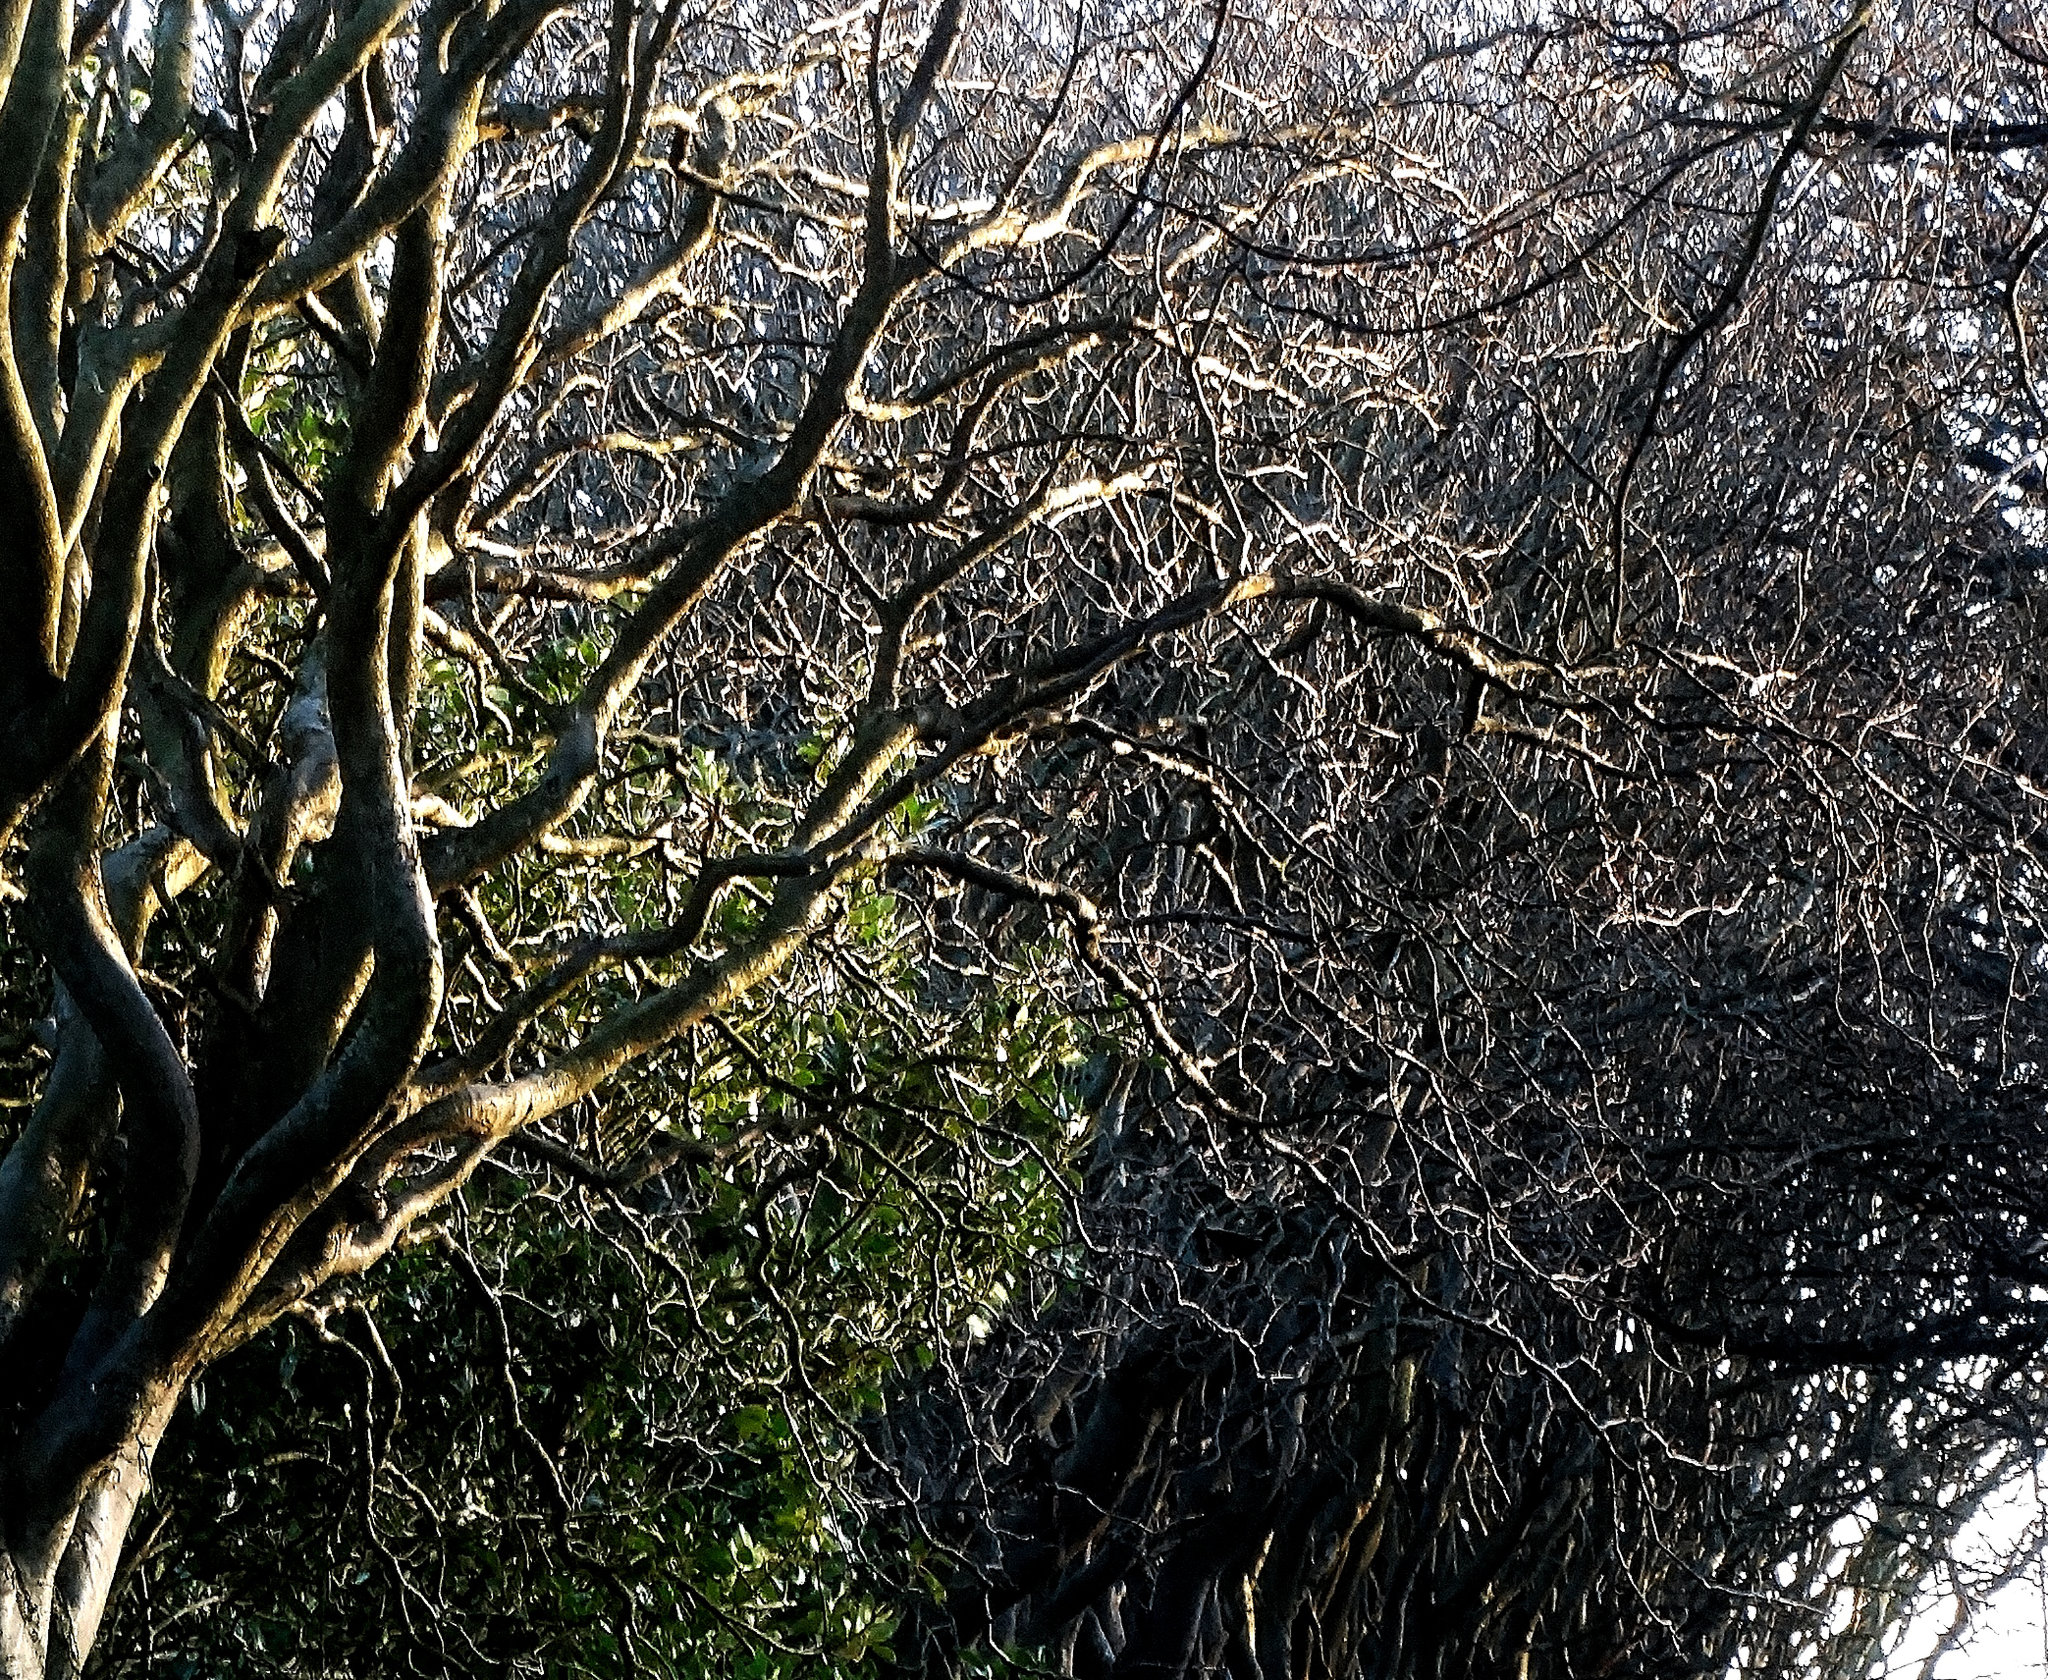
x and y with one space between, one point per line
1235 810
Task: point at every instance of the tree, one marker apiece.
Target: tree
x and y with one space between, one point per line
550 536
1625 1259
303 386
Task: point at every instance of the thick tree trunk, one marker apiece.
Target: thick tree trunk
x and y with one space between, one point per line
21 1655
54 1588
93 1556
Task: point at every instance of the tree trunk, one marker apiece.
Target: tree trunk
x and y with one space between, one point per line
54 1589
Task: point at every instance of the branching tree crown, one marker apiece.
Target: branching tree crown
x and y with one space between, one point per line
1470 595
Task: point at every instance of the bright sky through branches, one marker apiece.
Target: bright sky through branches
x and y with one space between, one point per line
2007 1638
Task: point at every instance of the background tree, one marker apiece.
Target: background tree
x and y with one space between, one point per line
1467 595
1622 1260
